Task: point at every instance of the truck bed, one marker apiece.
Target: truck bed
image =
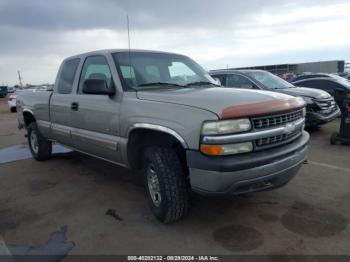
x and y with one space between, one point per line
36 102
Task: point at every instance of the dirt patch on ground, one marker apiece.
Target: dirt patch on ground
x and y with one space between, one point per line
238 238
38 186
266 217
311 221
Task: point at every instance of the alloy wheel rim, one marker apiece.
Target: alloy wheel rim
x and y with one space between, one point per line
34 142
153 186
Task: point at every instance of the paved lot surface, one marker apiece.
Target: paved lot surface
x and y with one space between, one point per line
66 198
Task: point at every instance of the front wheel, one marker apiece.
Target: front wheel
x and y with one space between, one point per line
40 147
165 184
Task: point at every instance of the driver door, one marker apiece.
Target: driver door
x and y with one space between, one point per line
95 119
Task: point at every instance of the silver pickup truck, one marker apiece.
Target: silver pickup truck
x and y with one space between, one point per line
162 113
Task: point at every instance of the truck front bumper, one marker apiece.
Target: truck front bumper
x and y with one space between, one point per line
249 172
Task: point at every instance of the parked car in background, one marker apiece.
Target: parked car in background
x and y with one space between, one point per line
11 100
315 75
163 114
10 90
321 107
336 87
344 74
3 91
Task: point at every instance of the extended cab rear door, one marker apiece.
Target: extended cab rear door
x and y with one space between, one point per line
95 120
61 101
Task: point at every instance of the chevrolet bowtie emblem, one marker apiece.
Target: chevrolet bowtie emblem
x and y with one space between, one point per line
289 128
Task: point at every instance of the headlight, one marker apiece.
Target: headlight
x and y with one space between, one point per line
226 126
307 100
231 149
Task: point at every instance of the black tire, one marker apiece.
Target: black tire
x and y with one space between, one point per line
334 138
42 148
172 187
13 109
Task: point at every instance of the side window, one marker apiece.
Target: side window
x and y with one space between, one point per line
319 84
334 86
238 81
95 67
310 84
67 74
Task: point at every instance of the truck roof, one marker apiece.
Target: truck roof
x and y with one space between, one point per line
108 51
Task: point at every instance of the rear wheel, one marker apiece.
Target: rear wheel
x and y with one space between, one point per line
13 109
165 184
40 147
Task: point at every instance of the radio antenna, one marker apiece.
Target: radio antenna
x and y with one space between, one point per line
128 26
129 46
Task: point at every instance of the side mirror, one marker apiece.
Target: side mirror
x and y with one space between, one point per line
97 87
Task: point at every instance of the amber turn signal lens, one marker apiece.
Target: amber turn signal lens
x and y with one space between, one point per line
213 150
228 149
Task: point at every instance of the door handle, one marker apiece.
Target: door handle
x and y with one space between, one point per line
74 106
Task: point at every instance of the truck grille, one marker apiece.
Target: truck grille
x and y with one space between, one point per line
275 121
272 141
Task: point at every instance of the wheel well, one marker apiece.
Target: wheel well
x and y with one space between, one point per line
28 118
141 138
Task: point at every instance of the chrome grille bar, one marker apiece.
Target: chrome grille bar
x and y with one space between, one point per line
275 121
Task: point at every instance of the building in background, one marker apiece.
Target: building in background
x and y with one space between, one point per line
335 66
347 67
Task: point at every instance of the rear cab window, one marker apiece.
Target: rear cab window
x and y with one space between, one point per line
67 75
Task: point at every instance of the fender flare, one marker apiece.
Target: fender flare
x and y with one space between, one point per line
161 129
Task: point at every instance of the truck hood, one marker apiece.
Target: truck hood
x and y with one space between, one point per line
304 91
215 99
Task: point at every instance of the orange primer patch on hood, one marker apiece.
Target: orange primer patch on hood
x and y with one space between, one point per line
271 107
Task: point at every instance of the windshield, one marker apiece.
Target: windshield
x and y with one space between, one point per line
269 80
146 70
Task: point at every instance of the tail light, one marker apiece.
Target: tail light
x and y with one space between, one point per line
11 98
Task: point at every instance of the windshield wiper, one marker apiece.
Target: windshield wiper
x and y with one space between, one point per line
201 83
159 84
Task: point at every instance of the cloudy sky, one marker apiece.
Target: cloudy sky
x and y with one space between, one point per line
35 35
